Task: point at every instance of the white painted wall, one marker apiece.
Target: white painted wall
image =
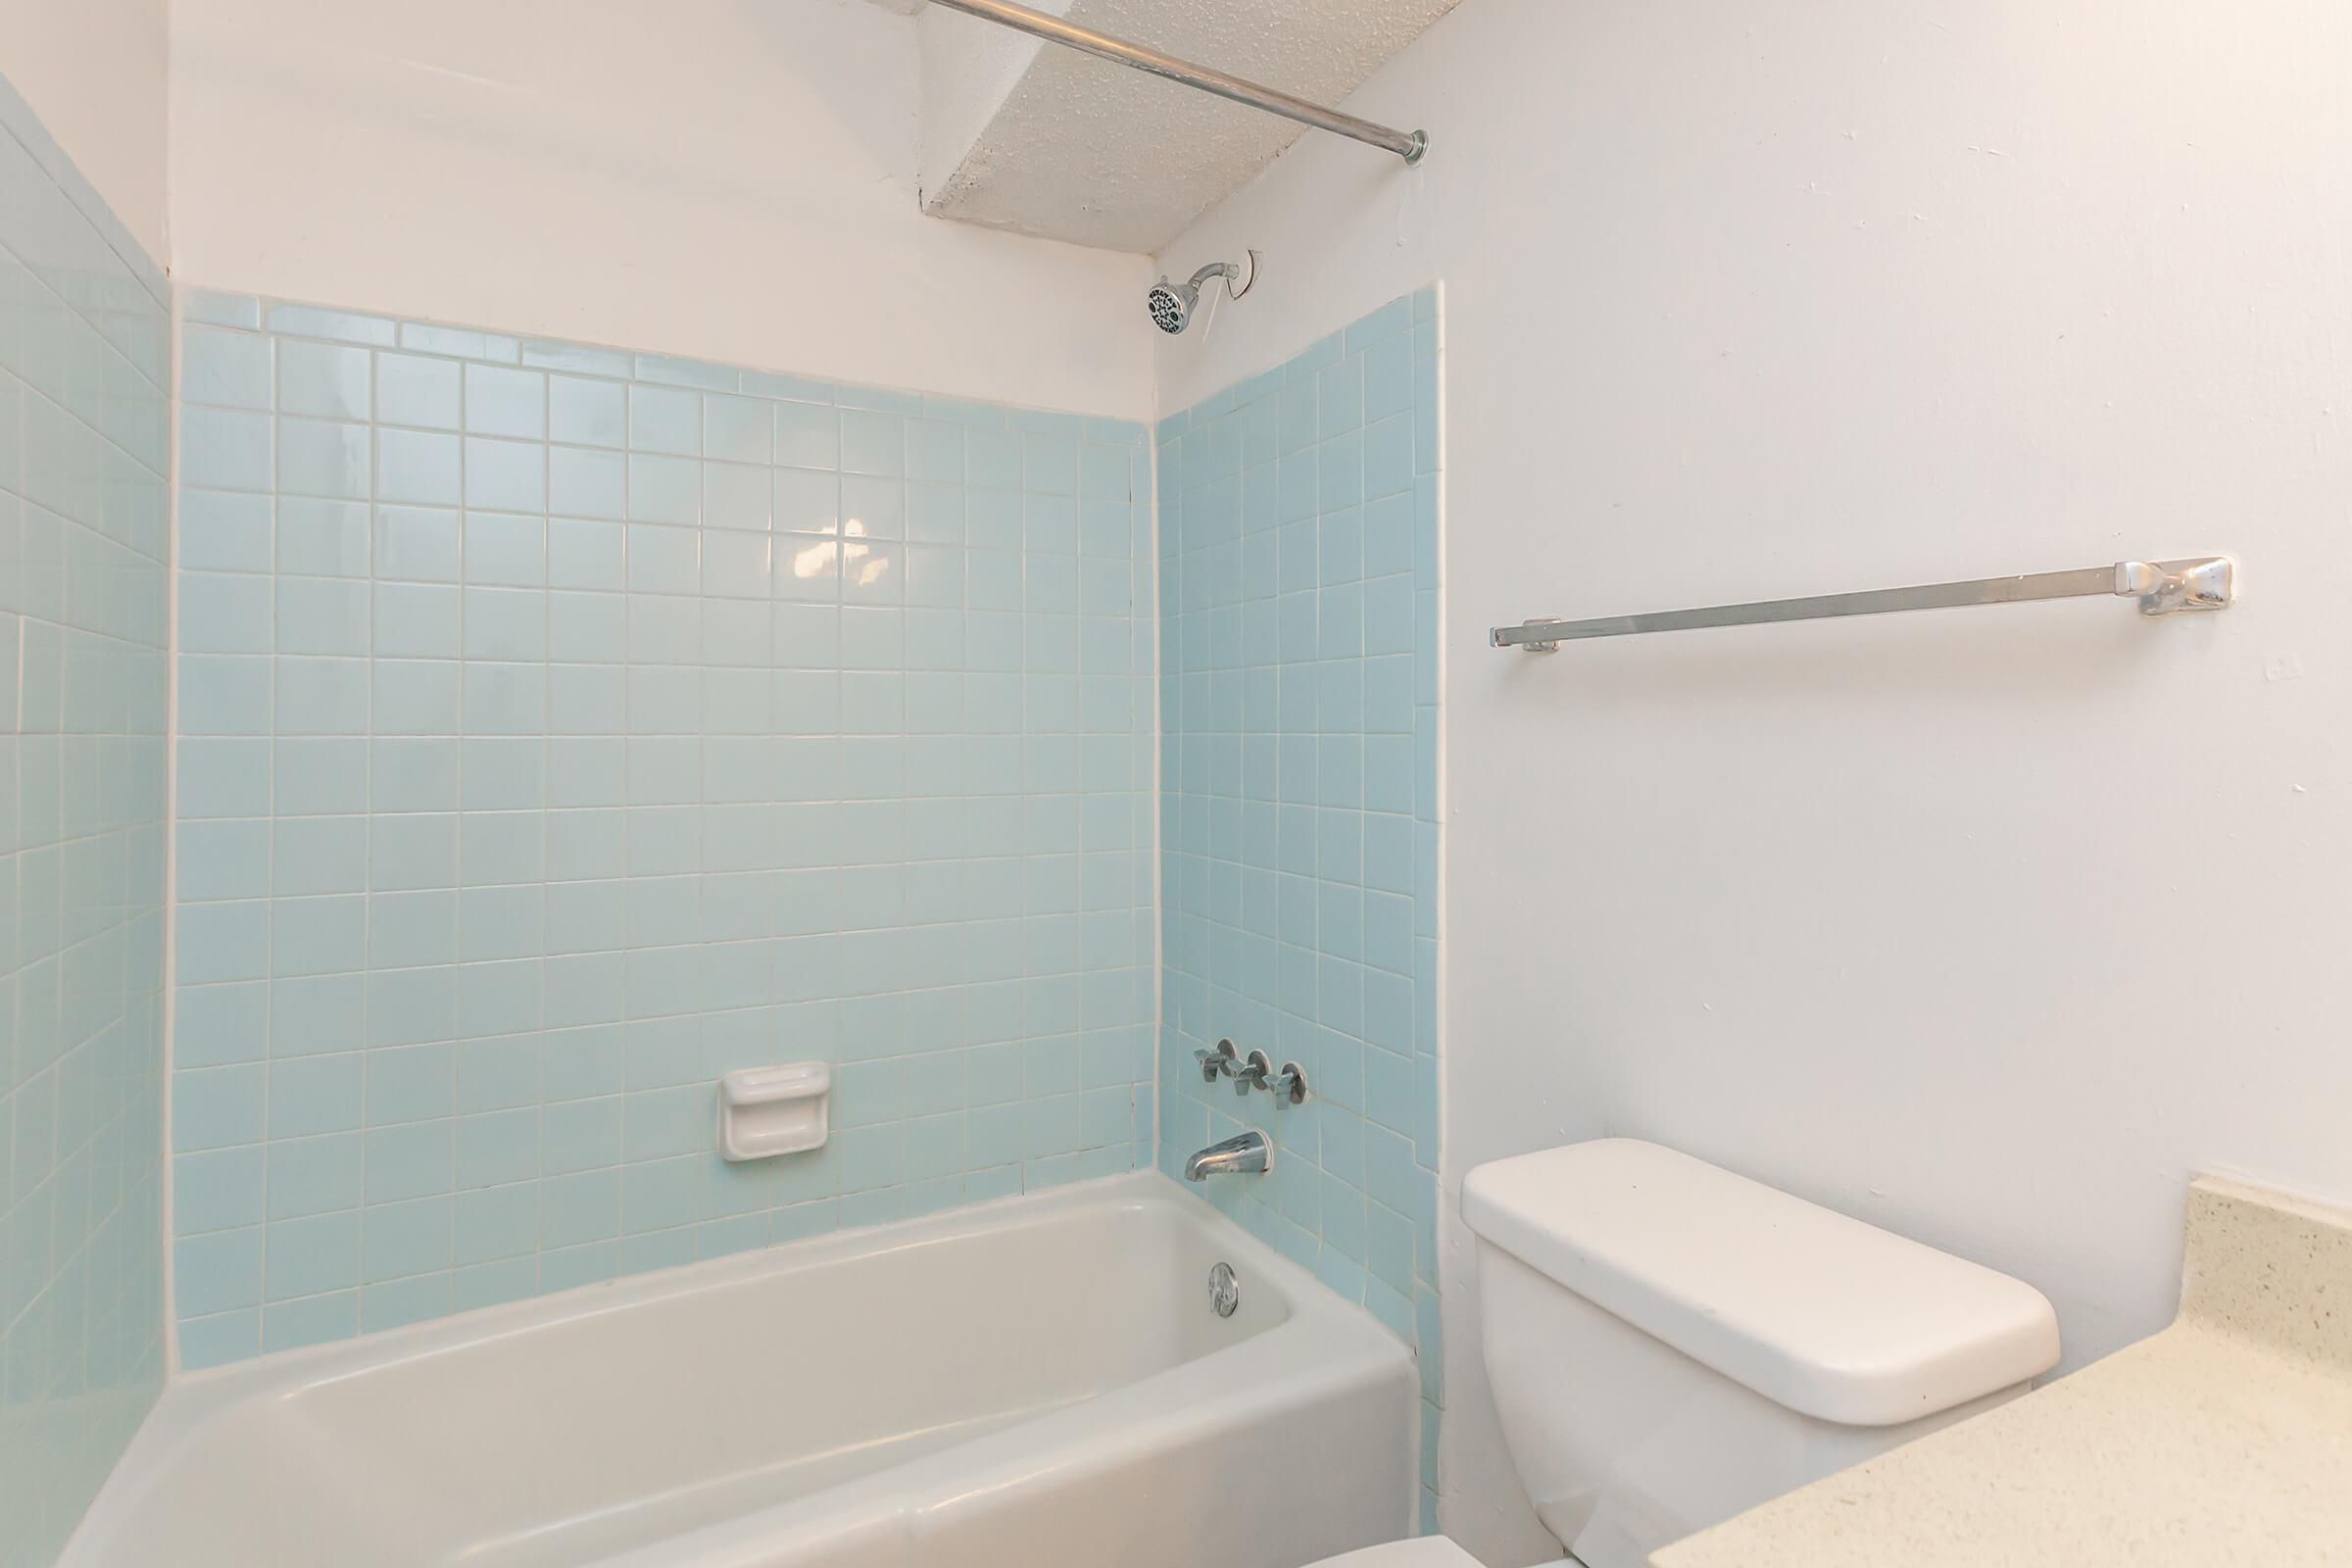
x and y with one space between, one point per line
1990 926
94 71
730 179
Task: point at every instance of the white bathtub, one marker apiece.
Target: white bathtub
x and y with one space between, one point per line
1038 1382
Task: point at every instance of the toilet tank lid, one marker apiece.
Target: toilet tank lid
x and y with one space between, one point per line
1815 1310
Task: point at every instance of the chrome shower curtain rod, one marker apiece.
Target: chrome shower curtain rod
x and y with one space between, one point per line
1408 145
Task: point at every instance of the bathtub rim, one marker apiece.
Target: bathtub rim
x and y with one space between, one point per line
191 1403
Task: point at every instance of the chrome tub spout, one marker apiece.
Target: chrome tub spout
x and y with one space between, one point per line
1243 1155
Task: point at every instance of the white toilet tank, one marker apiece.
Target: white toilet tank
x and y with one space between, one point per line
1670 1344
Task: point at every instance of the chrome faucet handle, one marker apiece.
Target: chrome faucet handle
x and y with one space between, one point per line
1218 1064
1253 1074
1289 1086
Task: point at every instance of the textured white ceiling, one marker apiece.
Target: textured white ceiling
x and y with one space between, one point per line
1040 139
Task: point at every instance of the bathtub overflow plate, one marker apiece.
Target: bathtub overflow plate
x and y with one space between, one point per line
1224 1290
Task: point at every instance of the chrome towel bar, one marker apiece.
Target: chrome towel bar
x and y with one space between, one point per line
2200 582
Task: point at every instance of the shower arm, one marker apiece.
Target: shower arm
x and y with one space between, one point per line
1408 145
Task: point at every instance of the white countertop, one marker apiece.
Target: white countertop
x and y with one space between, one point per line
2224 1440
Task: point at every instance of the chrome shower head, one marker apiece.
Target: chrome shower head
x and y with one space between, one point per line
1171 303
1171 306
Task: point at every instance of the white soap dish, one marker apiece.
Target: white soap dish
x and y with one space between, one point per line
765 1112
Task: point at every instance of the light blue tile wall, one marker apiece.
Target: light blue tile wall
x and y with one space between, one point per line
1298 584
84 529
560 728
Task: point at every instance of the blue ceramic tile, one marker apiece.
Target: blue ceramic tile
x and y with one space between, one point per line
661 665
310 1255
323 380
306 321
432 337
224 531
313 1175
321 615
415 391
218 1272
583 483
655 369
418 468
219 1190
505 476
664 489
807 436
503 402
583 357
318 456
222 942
221 310
223 614
872 443
227 369
322 537
223 449
666 419
1294 520
587 413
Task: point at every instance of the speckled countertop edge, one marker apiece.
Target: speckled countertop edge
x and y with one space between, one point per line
2224 1440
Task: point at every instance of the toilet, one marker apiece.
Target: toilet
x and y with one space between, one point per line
1670 1344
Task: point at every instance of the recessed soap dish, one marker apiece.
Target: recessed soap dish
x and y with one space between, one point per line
765 1112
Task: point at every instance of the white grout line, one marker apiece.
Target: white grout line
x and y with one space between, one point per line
1136 613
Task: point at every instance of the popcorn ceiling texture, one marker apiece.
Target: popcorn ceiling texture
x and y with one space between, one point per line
1083 150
